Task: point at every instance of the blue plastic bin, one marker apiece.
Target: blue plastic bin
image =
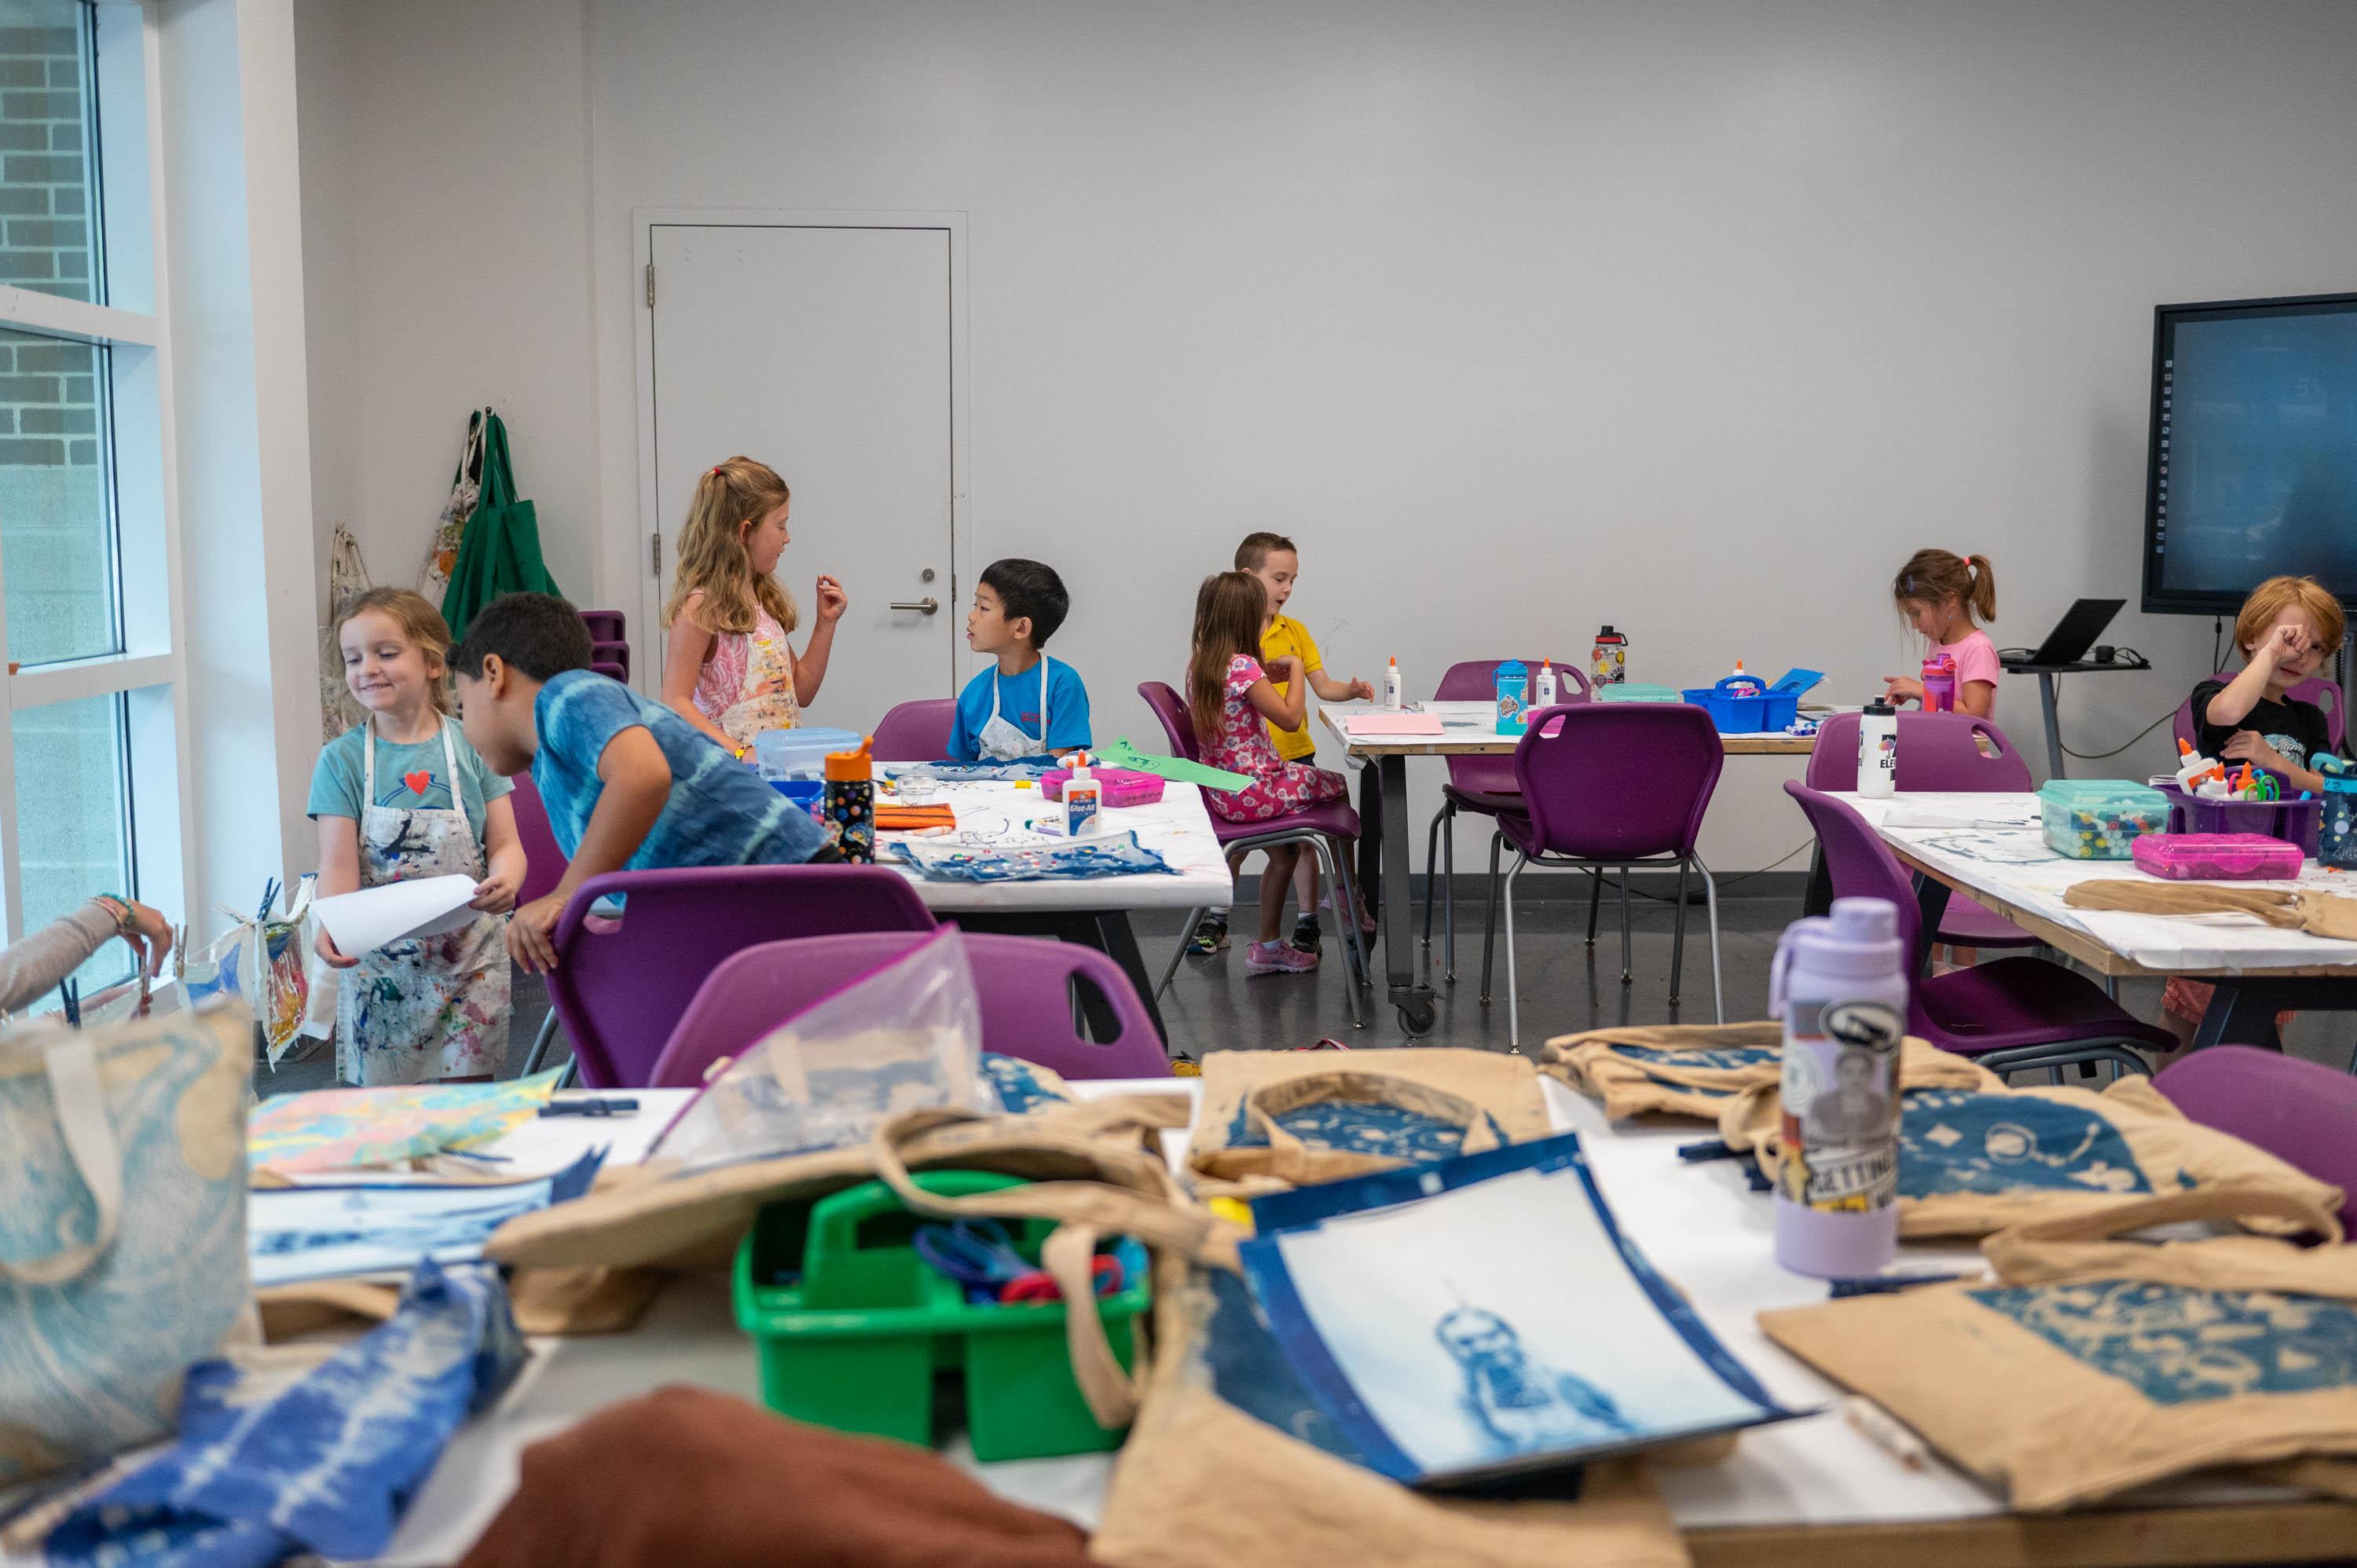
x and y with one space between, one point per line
1770 707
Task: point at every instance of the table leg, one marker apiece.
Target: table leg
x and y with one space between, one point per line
1931 903
1371 841
2055 768
1411 997
2240 1014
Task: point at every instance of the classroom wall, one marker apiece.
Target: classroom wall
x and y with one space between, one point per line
1520 318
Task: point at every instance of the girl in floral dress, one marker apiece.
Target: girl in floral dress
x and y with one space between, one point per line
1231 696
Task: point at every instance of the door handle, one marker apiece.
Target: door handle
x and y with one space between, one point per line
928 604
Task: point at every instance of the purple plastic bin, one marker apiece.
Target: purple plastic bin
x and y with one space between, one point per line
2294 821
2216 857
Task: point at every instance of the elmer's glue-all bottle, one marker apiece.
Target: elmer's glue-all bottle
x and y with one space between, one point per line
1395 695
851 802
1839 985
1542 688
1745 676
1608 661
1878 750
1083 796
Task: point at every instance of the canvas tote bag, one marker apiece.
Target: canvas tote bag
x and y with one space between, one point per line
1693 1069
2092 1364
1295 1117
1974 1162
121 1226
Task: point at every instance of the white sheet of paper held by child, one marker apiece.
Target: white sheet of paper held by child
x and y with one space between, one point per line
367 920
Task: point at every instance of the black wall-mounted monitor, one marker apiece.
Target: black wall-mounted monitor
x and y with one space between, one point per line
2251 470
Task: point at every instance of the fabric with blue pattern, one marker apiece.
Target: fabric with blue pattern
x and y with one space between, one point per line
1691 1071
1022 1086
326 1464
2177 1346
1303 1116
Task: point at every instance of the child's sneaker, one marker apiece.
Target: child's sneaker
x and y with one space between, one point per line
1211 937
1307 937
1278 958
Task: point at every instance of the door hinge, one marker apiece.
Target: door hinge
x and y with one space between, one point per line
650 286
654 546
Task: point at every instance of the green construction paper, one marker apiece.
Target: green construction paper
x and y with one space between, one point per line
1120 754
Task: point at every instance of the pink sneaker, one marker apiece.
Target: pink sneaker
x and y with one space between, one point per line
1278 958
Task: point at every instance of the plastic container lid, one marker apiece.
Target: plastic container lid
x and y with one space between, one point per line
851 766
1858 941
2102 795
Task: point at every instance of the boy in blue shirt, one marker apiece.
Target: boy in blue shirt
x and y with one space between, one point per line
1029 705
628 784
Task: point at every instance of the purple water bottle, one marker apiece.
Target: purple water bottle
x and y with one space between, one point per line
1939 684
1839 984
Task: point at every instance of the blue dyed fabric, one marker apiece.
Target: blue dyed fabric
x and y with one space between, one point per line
324 1466
1106 855
2177 1346
1731 1059
1021 1086
1356 1127
720 811
1951 1141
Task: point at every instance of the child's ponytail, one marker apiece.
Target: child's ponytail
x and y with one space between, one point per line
1937 577
1983 598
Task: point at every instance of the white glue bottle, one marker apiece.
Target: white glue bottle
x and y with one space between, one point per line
1543 696
1839 984
1083 796
1394 693
1878 750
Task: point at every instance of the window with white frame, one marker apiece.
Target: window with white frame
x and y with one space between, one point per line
91 788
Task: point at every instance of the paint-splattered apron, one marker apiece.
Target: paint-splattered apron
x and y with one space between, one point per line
748 684
425 1007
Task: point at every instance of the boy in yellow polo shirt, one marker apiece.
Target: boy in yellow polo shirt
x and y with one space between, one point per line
1273 559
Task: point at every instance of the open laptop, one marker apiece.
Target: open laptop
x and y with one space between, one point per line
2076 632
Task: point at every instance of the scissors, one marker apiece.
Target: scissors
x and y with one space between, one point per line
980 1255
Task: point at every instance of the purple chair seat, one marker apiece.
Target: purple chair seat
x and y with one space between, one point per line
1024 984
1483 802
1336 819
2302 1112
2016 1001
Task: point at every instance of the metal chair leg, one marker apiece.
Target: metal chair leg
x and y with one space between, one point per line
1717 993
1628 962
1678 938
1194 920
1595 901
1513 990
1490 915
540 1043
1357 947
1449 900
1431 865
1353 959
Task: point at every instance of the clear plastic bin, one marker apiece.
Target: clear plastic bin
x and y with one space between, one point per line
799 753
2100 819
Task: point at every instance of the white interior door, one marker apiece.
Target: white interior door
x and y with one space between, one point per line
825 352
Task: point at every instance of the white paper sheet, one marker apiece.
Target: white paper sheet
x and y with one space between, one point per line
427 907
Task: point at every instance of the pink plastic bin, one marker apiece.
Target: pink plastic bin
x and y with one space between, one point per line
1122 786
2216 857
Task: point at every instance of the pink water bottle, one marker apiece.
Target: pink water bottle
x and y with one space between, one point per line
1839 984
1939 684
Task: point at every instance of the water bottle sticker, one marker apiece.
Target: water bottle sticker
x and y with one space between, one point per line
1841 1105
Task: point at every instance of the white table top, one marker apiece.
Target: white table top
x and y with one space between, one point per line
2013 865
1700 1224
1470 729
1176 827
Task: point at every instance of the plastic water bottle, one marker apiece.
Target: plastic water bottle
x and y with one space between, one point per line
851 802
1543 690
1939 684
1839 984
1395 695
1608 661
1878 751
1514 688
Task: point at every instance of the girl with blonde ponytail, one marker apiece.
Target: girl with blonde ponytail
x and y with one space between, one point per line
1944 596
729 670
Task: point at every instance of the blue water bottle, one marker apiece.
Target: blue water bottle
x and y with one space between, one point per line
1513 691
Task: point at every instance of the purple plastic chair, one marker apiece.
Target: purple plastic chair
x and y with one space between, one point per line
2316 691
915 732
2008 1014
603 651
610 669
620 985
2302 1112
1574 764
1025 984
605 625
1484 786
1318 827
543 868
1936 752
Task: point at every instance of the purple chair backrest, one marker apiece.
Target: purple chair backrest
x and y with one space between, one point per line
915 732
1178 720
544 862
621 987
1859 864
2316 691
1608 780
2302 1112
605 625
1475 680
609 670
1936 751
1024 983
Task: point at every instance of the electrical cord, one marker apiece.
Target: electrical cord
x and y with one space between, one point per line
1726 882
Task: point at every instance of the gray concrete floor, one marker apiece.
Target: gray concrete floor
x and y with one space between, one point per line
1566 986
